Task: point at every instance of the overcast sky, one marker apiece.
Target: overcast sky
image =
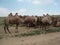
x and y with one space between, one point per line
29 7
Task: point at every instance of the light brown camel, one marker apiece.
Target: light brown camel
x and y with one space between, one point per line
47 20
12 20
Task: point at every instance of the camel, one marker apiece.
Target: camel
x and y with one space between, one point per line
12 20
46 21
30 21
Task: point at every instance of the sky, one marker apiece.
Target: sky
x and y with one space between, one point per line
29 7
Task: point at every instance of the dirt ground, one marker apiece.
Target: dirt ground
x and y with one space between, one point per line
42 39
20 29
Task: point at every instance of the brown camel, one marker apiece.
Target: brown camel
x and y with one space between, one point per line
39 21
30 21
56 22
46 21
12 20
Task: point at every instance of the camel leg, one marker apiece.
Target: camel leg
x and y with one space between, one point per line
16 28
5 29
28 25
42 27
8 29
45 29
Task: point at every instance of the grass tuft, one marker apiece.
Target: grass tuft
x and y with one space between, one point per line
37 32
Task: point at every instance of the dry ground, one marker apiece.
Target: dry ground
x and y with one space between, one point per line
42 39
20 29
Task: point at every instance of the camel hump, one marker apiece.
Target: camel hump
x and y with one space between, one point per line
16 14
10 15
47 19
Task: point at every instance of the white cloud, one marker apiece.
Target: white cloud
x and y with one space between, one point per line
4 11
55 3
22 11
42 1
36 2
20 0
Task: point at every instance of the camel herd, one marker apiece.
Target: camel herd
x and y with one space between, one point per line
42 21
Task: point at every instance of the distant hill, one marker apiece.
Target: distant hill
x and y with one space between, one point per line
56 15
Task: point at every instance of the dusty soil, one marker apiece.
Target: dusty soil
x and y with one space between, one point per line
42 39
20 29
